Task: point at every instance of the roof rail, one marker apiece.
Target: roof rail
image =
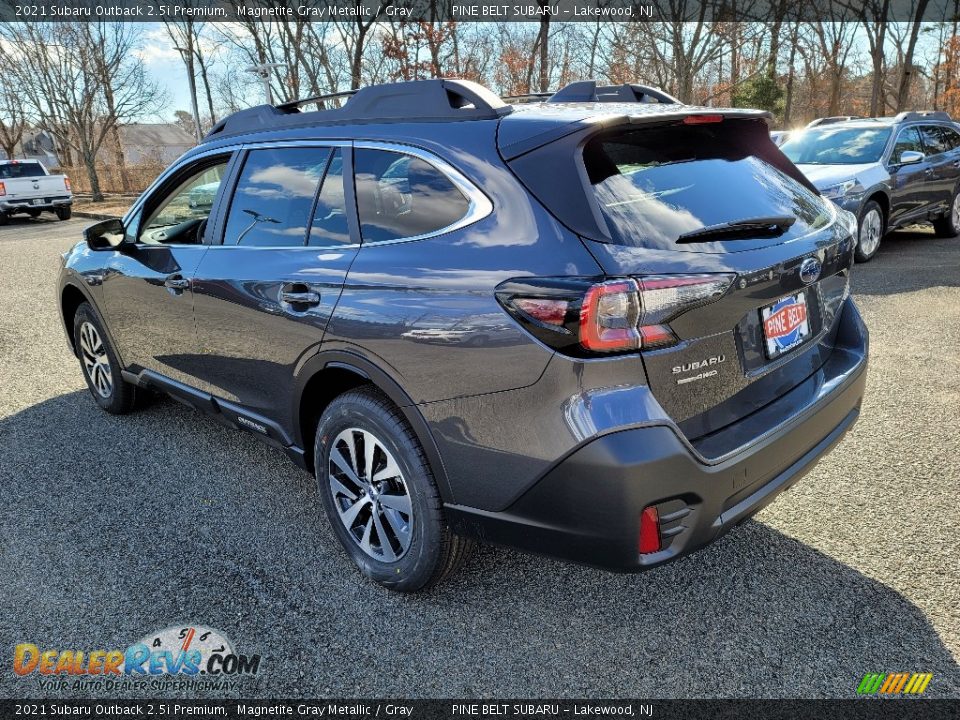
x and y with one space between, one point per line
923 115
295 105
528 96
416 100
589 91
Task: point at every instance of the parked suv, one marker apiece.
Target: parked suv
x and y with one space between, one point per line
603 332
889 172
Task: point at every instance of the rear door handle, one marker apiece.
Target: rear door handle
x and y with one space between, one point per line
176 282
299 294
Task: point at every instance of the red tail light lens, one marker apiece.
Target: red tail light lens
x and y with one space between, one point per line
545 310
610 317
3 189
66 182
702 119
649 540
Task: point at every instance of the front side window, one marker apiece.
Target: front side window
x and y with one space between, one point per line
836 145
274 196
179 216
401 196
907 141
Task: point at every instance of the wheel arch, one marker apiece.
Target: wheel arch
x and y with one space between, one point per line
881 198
334 372
71 298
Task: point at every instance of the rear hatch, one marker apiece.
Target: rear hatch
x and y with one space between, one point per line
714 198
27 180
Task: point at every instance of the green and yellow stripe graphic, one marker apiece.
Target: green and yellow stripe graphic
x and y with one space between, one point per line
894 683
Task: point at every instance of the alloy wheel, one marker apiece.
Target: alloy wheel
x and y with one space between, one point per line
370 494
870 228
955 212
96 363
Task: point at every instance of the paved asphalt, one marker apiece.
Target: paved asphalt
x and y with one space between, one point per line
116 527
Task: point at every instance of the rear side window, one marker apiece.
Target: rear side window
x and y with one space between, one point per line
274 197
934 139
401 196
952 138
21 170
655 185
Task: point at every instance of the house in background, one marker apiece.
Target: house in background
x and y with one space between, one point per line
151 143
38 145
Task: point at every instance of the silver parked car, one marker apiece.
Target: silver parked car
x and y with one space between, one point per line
889 172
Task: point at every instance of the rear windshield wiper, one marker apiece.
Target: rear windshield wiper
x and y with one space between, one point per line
740 229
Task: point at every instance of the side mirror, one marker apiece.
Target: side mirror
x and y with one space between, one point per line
911 157
105 235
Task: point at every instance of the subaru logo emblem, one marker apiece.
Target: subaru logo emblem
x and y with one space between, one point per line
810 270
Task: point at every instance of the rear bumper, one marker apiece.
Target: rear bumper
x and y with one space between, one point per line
52 203
587 507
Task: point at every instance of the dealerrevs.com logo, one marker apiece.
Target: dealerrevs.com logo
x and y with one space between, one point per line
191 657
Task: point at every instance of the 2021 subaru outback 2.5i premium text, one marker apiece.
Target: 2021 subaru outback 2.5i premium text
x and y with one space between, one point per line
607 327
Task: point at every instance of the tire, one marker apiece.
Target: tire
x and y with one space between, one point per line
949 225
871 228
98 361
64 213
4 219
33 213
427 552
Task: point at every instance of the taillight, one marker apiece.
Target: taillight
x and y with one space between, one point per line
3 189
582 317
702 119
610 317
649 540
66 182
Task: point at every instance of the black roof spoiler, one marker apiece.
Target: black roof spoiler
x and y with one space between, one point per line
417 100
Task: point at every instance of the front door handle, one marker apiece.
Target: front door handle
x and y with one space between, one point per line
299 294
176 282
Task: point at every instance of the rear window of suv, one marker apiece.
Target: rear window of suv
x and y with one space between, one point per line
21 170
654 185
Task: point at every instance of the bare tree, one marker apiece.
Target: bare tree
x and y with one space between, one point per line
13 119
906 66
81 80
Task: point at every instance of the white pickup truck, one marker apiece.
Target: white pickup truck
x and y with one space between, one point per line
27 187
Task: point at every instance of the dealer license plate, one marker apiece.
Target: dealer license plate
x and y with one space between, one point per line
785 324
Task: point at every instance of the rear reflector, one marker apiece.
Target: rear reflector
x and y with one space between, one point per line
649 531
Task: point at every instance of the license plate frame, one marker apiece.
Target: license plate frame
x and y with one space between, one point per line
785 324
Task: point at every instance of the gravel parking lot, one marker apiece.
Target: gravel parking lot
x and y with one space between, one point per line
116 527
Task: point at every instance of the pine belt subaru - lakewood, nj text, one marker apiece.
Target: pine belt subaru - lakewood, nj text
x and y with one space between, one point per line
604 326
